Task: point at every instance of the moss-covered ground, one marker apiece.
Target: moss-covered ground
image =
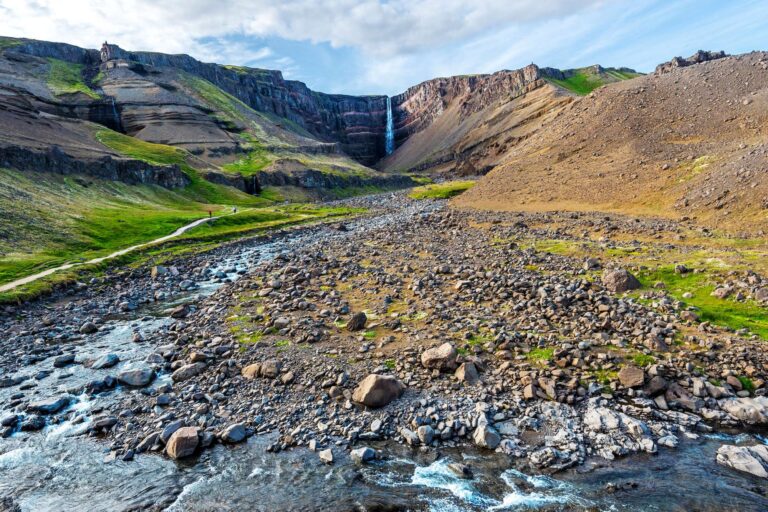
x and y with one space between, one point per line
441 190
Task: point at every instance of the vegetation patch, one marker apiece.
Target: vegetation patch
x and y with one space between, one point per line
537 355
724 312
441 190
8 42
67 78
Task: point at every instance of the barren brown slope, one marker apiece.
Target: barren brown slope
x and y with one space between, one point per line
691 142
472 144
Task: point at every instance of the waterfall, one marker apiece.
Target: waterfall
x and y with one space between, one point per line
389 140
116 116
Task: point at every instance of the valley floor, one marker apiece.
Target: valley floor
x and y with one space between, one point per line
500 327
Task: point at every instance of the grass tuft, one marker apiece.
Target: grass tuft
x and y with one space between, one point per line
441 190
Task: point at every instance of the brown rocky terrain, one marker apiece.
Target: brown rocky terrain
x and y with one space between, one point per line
685 142
445 331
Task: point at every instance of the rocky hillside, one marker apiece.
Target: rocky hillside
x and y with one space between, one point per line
465 124
240 127
687 141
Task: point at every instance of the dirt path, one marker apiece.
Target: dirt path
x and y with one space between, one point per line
34 277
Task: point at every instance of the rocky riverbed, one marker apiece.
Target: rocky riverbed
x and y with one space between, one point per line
417 346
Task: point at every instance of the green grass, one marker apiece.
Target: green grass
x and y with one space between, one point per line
747 384
580 83
67 78
160 154
724 312
254 161
8 42
538 355
72 219
583 82
390 364
441 190
643 360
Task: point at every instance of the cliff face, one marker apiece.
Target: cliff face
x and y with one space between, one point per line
420 105
356 123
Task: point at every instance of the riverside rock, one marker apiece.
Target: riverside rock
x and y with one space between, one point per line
378 390
183 443
485 436
749 459
137 377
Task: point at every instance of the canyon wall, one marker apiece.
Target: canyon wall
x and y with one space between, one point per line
356 123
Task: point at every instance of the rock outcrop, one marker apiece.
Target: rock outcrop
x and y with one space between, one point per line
420 105
696 58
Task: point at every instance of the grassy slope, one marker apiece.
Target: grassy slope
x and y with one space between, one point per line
584 82
713 257
59 219
264 145
67 78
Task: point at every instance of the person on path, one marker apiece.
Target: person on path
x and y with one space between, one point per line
210 214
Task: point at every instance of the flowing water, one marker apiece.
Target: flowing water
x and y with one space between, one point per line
389 139
61 469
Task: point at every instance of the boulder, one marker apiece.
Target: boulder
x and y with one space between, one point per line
49 405
441 358
183 443
619 280
88 328
136 377
362 455
749 459
326 456
753 411
631 376
105 361
357 322
187 371
235 433
467 372
485 436
251 371
378 390
270 369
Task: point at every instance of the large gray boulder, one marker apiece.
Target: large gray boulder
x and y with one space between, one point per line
619 280
136 377
378 390
749 459
441 358
485 436
753 411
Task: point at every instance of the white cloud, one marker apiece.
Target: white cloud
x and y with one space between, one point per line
378 28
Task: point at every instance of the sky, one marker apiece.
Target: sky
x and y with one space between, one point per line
385 46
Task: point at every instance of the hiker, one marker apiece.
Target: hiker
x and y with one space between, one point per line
210 214
234 209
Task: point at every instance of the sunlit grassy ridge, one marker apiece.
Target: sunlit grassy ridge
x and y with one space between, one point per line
584 81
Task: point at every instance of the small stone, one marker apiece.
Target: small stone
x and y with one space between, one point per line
326 456
441 358
363 455
234 433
